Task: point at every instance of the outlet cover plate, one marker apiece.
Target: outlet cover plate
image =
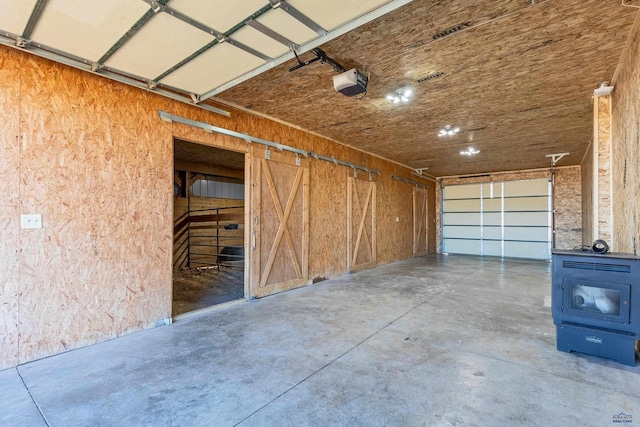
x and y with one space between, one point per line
31 220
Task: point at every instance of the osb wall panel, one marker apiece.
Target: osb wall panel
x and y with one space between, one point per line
604 167
626 150
328 183
568 206
587 176
96 163
9 207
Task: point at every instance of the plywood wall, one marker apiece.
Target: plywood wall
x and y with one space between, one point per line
602 142
96 163
95 160
568 206
587 176
9 207
626 149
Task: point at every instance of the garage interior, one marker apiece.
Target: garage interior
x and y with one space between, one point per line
389 250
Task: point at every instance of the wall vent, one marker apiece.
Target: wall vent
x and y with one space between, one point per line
431 76
597 266
451 30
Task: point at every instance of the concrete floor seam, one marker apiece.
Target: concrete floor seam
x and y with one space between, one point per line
33 399
332 362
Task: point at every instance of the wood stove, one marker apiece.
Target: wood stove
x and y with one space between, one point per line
595 302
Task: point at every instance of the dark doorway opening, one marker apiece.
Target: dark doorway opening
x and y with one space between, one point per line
208 244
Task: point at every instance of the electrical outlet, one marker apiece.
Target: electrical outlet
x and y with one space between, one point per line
31 220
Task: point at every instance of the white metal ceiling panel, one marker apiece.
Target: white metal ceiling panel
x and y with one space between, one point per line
15 15
330 14
283 23
221 15
86 28
258 41
213 68
158 46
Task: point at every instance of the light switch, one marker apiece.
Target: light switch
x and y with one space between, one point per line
31 220
397 219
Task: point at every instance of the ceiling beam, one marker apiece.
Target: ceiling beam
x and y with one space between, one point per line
270 33
368 17
219 37
36 13
299 16
217 34
132 31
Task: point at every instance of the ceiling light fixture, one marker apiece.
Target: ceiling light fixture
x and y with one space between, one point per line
448 130
401 95
469 151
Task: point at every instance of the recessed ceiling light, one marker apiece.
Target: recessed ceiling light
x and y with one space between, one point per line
448 130
469 151
400 95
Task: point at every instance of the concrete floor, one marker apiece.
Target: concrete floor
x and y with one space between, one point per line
434 341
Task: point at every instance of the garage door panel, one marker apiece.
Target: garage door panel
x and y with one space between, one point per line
512 218
461 246
492 248
462 219
533 187
494 205
526 218
466 205
526 250
536 234
492 218
470 191
494 233
458 231
526 204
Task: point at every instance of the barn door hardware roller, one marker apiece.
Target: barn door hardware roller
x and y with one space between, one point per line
167 117
341 163
409 181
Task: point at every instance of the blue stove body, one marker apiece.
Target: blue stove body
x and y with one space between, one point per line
595 301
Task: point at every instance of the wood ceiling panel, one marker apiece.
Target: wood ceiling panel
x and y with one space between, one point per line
158 46
215 67
221 15
282 23
329 14
15 15
87 29
522 75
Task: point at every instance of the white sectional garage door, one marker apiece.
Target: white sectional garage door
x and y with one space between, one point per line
505 219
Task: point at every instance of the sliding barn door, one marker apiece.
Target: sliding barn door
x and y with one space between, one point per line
279 223
361 224
420 223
